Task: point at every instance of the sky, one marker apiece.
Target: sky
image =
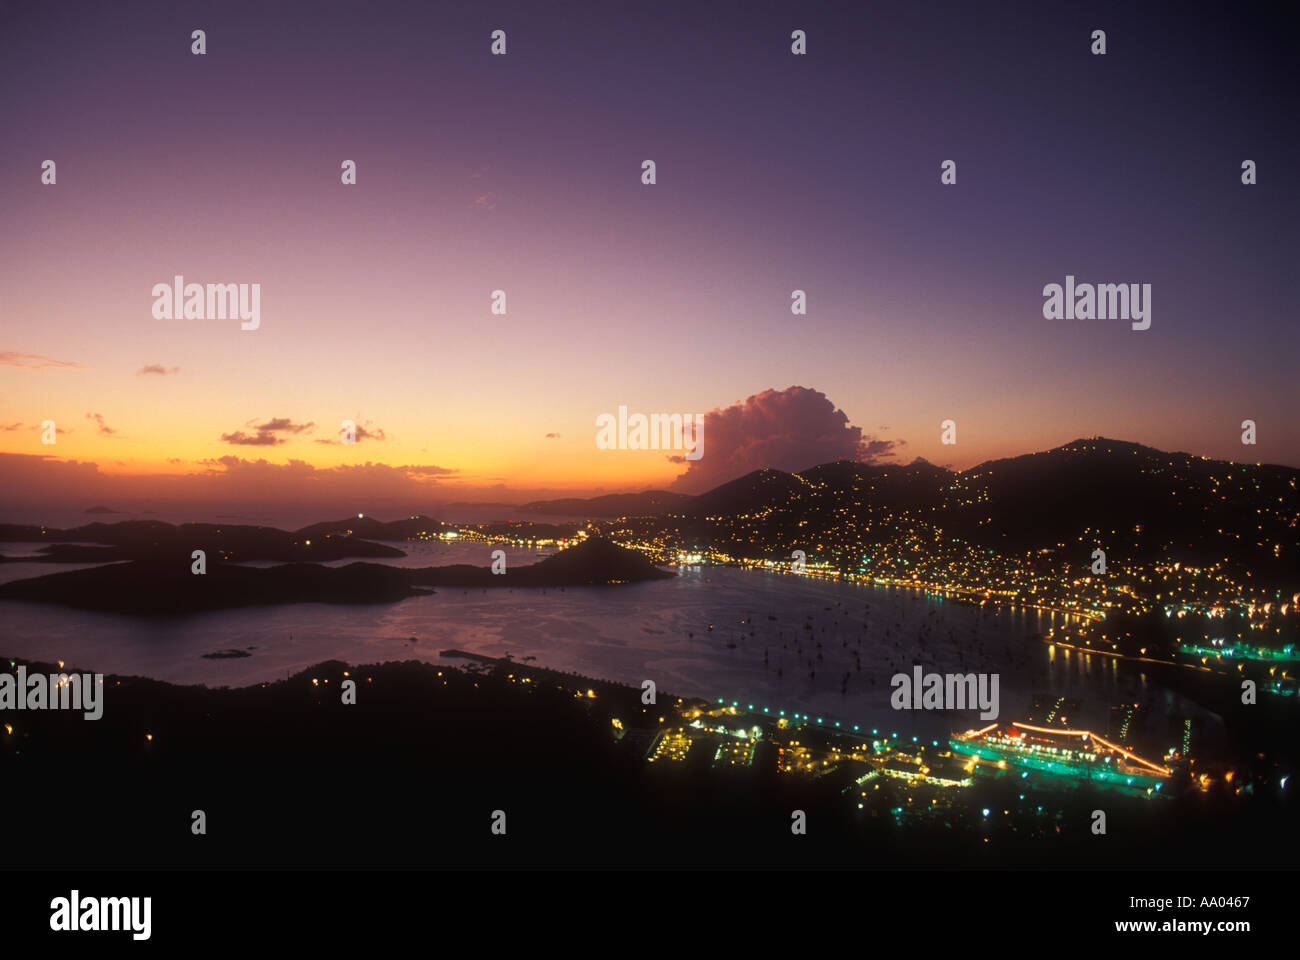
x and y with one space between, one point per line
523 172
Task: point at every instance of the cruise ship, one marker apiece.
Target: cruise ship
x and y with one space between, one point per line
1057 751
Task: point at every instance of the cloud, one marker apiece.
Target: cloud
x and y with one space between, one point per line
104 429
552 436
266 434
790 430
12 426
27 477
873 449
366 431
283 424
256 489
34 361
424 471
241 439
484 198
159 369
298 479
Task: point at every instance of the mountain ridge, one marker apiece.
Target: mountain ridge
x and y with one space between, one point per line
662 502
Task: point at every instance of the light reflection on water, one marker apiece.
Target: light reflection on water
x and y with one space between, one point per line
628 633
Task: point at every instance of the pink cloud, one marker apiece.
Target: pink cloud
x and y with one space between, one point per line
34 361
790 430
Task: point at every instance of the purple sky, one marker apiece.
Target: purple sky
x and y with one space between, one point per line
775 172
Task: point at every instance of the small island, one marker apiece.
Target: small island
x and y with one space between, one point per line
164 585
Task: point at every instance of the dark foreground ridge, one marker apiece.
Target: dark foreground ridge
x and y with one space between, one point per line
411 774
165 584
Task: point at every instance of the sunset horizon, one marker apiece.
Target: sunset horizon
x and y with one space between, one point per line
268 485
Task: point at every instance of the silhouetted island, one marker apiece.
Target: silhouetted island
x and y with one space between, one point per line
149 539
166 585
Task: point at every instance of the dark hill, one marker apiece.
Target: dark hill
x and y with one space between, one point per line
753 491
1144 505
150 539
1111 489
651 503
369 528
161 586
